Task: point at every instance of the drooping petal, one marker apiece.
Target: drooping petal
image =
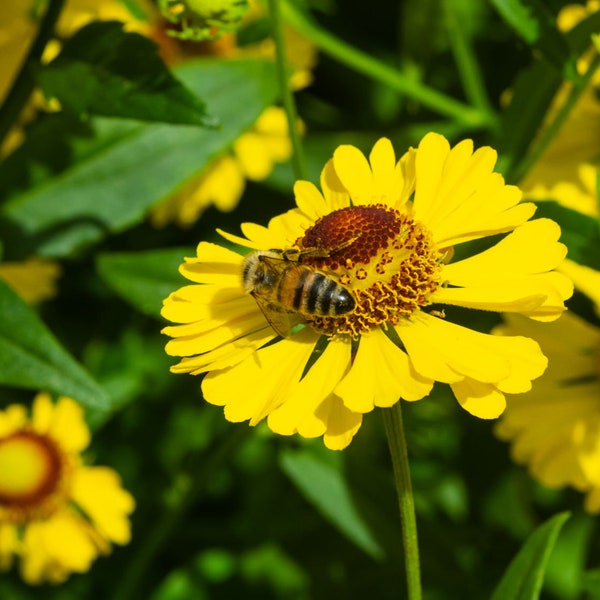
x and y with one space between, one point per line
380 375
98 492
255 387
585 279
213 264
482 400
341 424
539 296
448 352
310 406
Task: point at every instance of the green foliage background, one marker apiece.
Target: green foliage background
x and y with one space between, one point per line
224 510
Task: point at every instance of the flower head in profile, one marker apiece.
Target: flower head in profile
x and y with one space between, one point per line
56 514
555 429
382 232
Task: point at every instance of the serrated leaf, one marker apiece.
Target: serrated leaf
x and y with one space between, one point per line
32 358
122 168
525 575
103 70
325 487
143 279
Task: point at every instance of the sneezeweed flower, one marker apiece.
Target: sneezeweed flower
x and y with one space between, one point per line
384 230
33 279
57 515
554 429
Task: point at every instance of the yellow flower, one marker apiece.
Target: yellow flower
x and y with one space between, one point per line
56 514
252 157
33 279
381 232
254 154
555 428
567 171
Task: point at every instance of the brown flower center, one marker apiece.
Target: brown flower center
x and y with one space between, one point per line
384 257
32 471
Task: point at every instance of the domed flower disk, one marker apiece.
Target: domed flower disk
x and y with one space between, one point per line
57 515
339 307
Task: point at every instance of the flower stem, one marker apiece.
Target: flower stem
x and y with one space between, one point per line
389 76
397 443
24 83
548 134
287 95
467 63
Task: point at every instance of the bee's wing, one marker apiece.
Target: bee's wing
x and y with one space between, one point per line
281 320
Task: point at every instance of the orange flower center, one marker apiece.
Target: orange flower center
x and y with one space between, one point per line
31 474
386 259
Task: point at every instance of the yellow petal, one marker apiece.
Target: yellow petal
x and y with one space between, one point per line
68 425
354 172
214 264
448 352
531 248
255 387
253 155
309 199
42 412
540 296
341 424
98 492
226 355
298 413
586 279
380 375
12 418
385 176
335 194
482 400
8 545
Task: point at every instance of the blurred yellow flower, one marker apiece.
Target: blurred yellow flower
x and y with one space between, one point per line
555 428
33 279
255 153
365 265
568 170
56 514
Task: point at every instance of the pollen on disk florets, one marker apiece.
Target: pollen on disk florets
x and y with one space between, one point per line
383 256
34 476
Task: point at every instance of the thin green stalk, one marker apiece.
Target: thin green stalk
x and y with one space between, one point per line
24 84
397 443
466 61
543 141
375 69
287 95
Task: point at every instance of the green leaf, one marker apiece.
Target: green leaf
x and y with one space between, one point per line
524 577
103 70
32 358
579 232
143 279
519 15
123 168
325 487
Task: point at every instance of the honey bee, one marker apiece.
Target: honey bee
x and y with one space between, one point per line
288 290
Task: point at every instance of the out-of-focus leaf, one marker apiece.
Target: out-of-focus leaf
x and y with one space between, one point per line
126 167
531 97
32 358
591 584
325 487
524 577
579 232
536 24
103 70
143 279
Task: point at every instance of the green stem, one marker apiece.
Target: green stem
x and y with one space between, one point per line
287 95
466 60
375 69
548 134
24 84
397 443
